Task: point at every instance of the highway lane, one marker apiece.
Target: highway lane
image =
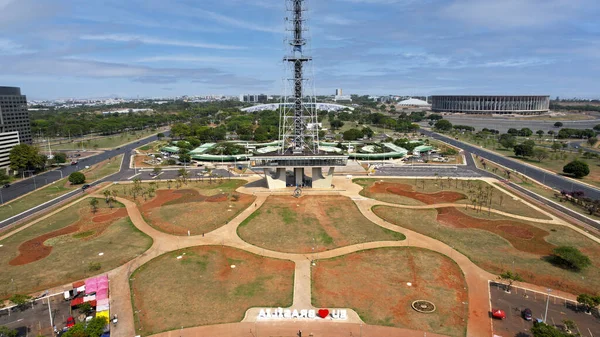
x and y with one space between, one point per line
552 180
30 184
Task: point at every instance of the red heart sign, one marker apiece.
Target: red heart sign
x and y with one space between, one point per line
323 313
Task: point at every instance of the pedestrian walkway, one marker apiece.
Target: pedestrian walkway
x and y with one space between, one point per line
476 278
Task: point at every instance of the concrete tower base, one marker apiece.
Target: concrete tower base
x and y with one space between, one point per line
279 180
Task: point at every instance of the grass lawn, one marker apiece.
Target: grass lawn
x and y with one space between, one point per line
106 142
199 207
57 189
374 283
436 191
495 254
61 248
202 288
318 223
555 163
534 187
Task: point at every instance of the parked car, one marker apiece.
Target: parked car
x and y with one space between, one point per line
7 185
527 314
70 322
85 186
499 314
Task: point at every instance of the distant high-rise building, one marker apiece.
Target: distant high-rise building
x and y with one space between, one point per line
338 92
14 115
254 98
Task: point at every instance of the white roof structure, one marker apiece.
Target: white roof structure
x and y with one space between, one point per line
414 102
275 106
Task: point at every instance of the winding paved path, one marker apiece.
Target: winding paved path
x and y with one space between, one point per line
477 279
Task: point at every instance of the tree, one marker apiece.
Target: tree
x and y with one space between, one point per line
435 117
525 132
93 328
160 135
352 134
507 141
558 125
77 178
336 124
556 146
540 154
592 141
545 330
443 125
588 301
185 158
60 157
577 168
513 132
20 299
4 178
540 133
510 278
6 332
367 132
597 127
523 150
570 257
94 205
26 157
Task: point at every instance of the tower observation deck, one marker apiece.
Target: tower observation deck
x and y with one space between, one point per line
298 124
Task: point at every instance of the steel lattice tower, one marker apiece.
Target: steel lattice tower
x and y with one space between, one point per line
298 131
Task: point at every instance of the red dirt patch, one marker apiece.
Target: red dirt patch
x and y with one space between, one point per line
379 292
207 213
522 236
407 191
35 249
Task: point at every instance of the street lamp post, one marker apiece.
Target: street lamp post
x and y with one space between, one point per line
547 301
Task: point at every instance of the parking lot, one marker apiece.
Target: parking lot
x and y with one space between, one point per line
33 319
514 325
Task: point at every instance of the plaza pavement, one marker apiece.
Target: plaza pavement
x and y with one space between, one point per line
477 279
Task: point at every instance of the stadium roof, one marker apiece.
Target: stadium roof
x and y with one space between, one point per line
414 102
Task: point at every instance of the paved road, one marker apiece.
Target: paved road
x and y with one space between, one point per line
30 184
503 124
554 181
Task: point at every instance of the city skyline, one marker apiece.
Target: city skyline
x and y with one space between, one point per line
70 48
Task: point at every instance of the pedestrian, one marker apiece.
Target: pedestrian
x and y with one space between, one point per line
299 333
202 234
255 204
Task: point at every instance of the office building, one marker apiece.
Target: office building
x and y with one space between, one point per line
14 115
7 141
254 98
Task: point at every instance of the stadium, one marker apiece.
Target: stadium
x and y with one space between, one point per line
521 105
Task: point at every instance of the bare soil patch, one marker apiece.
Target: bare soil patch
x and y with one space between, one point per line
503 244
374 283
206 289
35 249
179 211
60 248
522 236
408 191
443 190
309 224
139 160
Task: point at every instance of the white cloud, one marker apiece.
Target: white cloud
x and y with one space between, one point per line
337 20
8 47
155 41
512 13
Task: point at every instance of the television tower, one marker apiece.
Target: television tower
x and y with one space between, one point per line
298 131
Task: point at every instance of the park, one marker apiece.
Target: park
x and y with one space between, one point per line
202 255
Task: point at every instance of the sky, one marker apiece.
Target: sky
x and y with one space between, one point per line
157 48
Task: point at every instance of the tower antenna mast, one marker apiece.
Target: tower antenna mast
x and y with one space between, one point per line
299 133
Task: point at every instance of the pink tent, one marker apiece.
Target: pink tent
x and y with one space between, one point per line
91 285
102 294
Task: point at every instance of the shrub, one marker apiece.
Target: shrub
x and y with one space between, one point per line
577 168
77 178
570 258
